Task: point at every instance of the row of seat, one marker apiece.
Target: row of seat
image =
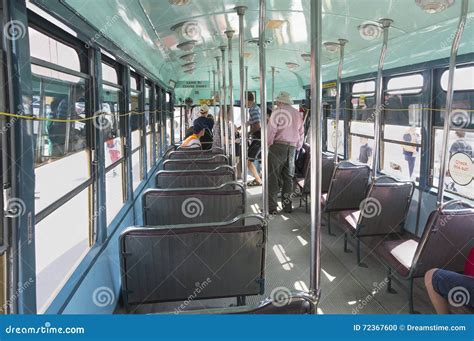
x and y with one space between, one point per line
374 212
196 242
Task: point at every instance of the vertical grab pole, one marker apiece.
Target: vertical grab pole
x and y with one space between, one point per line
224 104
449 99
230 34
342 43
263 105
385 25
214 92
316 147
243 116
273 90
221 108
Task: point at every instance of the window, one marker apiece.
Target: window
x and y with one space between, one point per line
463 79
177 124
361 132
136 123
148 128
115 178
461 138
401 117
62 163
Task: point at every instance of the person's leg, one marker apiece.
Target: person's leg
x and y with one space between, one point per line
411 165
287 173
253 171
440 304
275 158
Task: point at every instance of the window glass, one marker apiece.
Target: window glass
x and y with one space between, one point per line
109 74
460 141
361 149
135 119
47 48
111 125
363 89
411 84
59 146
136 168
61 242
463 79
331 136
114 191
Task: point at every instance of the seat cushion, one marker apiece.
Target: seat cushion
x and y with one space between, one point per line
348 220
399 254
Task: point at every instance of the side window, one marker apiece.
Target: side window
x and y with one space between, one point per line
361 134
62 163
401 118
461 139
329 111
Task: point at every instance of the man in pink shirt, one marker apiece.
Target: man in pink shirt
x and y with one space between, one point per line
285 137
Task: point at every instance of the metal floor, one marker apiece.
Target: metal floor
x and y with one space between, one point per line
346 287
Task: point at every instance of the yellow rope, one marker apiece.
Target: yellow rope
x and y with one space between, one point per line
47 119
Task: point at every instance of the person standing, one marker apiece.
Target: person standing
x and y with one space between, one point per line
208 124
255 145
285 137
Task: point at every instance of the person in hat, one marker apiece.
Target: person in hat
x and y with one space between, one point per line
285 137
208 124
193 140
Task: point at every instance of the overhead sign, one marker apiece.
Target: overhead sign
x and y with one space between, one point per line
193 84
461 169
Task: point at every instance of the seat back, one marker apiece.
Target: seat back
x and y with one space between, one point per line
378 214
447 239
191 154
193 206
188 164
348 187
327 173
203 261
195 178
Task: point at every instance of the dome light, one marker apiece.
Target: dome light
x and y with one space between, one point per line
331 46
292 65
179 2
188 58
189 65
306 57
187 45
434 6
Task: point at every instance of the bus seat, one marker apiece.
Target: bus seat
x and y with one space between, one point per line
195 178
198 154
378 216
448 228
348 187
188 164
196 205
169 263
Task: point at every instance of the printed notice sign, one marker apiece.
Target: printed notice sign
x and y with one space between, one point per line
461 169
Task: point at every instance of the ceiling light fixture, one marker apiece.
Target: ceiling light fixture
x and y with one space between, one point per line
306 57
189 65
434 6
292 65
256 41
190 71
187 45
179 2
331 46
188 58
370 30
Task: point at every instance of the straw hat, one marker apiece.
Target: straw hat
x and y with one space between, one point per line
204 109
284 97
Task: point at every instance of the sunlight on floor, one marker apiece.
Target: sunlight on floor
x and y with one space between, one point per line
329 277
284 260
